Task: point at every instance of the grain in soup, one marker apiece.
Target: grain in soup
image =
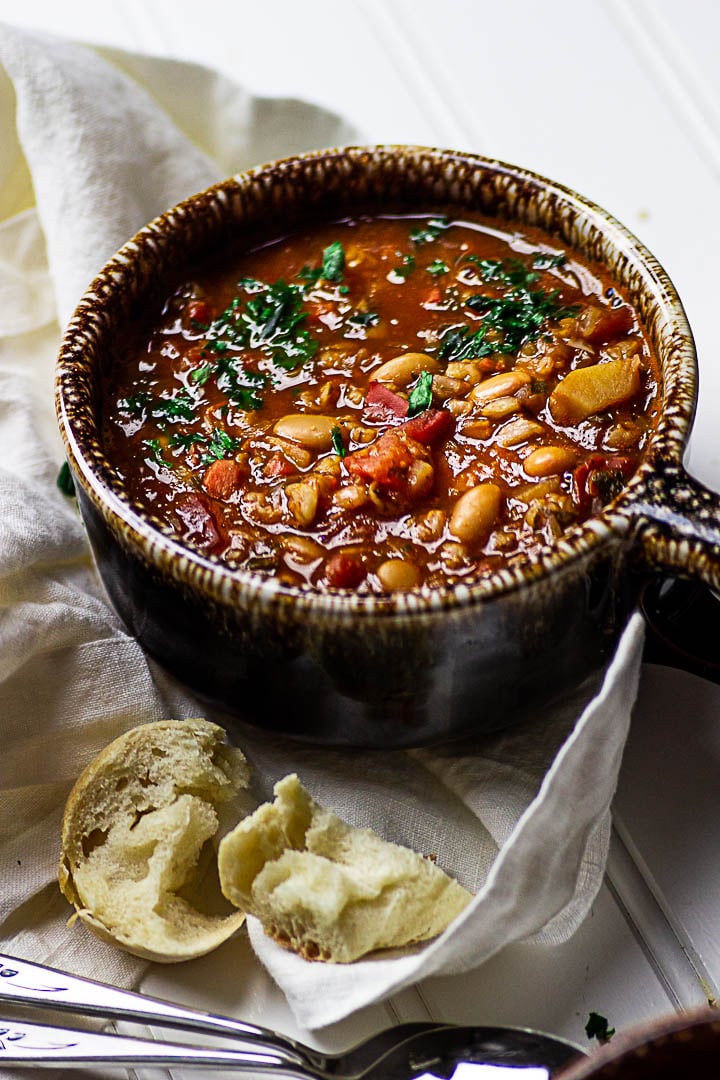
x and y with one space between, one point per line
384 403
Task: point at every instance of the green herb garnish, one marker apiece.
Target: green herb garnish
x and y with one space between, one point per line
333 262
338 442
543 260
518 315
420 397
64 480
332 268
156 452
461 343
597 1028
406 267
437 267
180 407
425 234
364 318
201 375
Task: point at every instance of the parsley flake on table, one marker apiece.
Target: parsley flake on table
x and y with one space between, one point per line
597 1028
65 482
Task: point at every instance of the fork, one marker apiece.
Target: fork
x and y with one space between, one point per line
401 1052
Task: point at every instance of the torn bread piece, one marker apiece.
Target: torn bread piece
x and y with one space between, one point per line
140 834
327 890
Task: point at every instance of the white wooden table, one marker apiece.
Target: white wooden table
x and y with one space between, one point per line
619 99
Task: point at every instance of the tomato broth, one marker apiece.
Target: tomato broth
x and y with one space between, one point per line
383 403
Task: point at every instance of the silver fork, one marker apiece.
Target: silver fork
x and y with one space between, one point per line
407 1050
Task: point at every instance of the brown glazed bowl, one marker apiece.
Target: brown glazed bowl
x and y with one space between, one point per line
676 1047
413 668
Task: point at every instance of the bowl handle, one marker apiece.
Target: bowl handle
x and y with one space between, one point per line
678 534
679 525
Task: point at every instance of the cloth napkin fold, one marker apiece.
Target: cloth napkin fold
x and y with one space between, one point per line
95 143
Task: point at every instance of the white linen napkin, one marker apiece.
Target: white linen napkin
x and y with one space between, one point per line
96 142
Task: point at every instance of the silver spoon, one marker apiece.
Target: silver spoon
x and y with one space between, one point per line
402 1053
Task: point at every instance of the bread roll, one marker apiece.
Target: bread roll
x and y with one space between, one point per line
138 859
327 890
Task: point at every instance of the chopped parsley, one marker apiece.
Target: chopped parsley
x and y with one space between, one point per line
338 442
461 343
421 395
179 407
425 234
332 268
156 452
543 260
597 1028
437 267
271 319
64 481
515 317
218 444
333 263
405 268
363 318
201 375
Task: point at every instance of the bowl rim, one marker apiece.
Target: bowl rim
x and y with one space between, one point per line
157 545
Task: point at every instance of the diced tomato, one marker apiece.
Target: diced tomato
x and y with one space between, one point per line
199 311
433 297
385 462
200 527
223 478
430 426
382 403
344 571
278 465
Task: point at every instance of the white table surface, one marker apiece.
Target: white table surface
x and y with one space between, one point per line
619 99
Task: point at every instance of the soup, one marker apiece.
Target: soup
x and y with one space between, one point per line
383 403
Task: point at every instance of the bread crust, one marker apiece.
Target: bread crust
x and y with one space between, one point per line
139 837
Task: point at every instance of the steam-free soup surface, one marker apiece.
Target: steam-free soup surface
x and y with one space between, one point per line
383 403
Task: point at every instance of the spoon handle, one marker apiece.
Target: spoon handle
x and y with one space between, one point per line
42 1044
25 983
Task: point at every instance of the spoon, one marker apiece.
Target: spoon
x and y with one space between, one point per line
414 1051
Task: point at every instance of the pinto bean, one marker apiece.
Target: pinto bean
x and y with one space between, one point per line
311 430
401 370
475 513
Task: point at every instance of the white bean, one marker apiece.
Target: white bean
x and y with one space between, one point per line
311 430
506 382
549 461
397 575
401 370
475 513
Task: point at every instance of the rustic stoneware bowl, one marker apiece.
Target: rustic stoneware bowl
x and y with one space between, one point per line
407 669
684 1047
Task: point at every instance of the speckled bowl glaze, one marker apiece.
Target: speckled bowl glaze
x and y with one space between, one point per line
676 1047
413 668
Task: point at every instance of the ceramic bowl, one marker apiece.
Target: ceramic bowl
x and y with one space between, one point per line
407 669
677 1047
